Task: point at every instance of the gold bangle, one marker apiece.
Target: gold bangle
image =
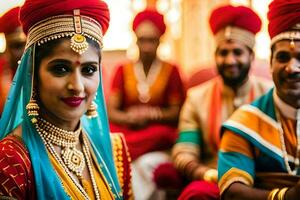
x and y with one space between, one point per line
272 194
210 175
281 193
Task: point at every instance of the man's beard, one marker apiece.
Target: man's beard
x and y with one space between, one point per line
235 82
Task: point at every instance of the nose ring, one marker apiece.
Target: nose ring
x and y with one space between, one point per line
70 86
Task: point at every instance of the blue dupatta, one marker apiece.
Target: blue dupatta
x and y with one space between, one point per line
47 182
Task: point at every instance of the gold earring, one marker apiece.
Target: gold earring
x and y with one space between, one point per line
33 108
92 111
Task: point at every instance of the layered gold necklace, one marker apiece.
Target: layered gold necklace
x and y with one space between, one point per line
67 140
71 159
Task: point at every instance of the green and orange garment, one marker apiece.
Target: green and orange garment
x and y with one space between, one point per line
251 149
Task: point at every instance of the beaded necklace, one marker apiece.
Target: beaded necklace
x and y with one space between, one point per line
144 82
54 135
67 140
285 154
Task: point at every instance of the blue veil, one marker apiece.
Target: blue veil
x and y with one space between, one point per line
47 183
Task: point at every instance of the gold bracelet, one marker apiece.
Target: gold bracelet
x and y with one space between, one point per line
272 194
281 193
210 175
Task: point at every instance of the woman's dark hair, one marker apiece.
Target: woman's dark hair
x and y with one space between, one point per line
46 49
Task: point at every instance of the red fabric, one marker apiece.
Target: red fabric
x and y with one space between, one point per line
151 15
283 15
34 11
154 137
200 190
240 16
174 90
166 176
10 21
6 75
16 176
126 169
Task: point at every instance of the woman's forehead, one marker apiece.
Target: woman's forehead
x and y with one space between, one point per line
63 50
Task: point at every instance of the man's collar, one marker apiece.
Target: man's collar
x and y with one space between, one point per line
285 109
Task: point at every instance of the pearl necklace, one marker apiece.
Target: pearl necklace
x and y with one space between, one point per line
86 153
67 140
285 154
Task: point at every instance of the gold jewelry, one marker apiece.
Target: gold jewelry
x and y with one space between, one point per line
235 33
87 156
89 165
144 82
292 44
92 111
288 35
67 140
78 41
281 193
33 108
60 26
210 175
272 194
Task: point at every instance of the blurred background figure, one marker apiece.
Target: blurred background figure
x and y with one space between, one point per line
145 101
211 103
15 43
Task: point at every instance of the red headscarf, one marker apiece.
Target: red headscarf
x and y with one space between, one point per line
9 22
283 15
34 11
240 16
152 15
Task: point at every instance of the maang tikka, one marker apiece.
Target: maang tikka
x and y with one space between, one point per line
78 40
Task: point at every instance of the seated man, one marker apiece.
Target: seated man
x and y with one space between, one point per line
15 43
145 102
259 151
211 103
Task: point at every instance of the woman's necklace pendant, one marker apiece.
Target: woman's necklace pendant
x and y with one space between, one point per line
74 160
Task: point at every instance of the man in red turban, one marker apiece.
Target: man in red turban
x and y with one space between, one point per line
15 43
144 104
259 157
209 104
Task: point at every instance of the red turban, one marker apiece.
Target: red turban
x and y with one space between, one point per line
9 22
283 15
151 15
243 21
240 16
34 11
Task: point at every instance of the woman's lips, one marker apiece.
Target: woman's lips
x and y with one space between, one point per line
73 101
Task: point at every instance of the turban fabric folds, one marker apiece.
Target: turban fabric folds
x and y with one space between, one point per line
284 20
37 10
150 15
235 22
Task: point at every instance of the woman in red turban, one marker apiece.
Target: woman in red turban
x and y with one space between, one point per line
55 141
